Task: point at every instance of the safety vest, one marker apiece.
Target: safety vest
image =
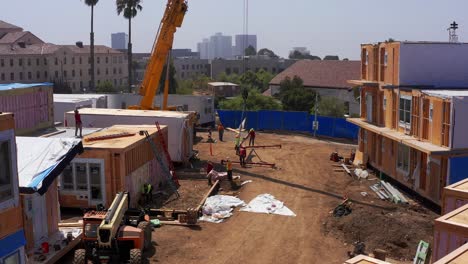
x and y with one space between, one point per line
229 165
146 189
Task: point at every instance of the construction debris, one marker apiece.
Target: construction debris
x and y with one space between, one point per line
267 204
342 209
385 191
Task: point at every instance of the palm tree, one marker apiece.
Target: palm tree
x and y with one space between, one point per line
92 3
129 8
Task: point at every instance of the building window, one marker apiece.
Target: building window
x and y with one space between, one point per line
120 59
405 110
29 62
45 61
107 59
73 73
65 74
81 73
45 74
56 74
98 71
56 61
81 84
98 82
366 54
21 75
107 71
2 63
98 60
73 85
11 62
114 71
120 81
120 70
183 67
13 258
3 76
403 158
65 60
29 75
384 103
37 62
12 76
6 175
182 74
115 82
81 60
385 58
38 75
20 62
89 71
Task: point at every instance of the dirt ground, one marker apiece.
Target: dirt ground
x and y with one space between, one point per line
305 181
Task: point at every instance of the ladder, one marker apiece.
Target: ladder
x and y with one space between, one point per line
166 152
164 167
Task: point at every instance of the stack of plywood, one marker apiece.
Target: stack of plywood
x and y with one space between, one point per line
126 164
459 256
180 125
450 232
454 196
32 105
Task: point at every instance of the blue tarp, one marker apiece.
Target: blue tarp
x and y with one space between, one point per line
12 243
290 121
458 170
11 86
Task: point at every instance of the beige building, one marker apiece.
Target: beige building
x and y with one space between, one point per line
25 58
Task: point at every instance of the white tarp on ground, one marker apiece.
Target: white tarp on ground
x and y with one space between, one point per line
219 207
267 204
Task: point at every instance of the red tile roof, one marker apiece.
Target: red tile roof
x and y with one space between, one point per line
326 73
34 49
12 37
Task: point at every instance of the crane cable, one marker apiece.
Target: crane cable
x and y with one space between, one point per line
245 31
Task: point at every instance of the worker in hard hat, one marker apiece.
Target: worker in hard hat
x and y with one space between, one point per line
78 123
237 143
252 137
229 169
220 131
147 192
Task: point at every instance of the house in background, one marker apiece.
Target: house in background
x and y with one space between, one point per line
224 89
328 77
414 102
12 239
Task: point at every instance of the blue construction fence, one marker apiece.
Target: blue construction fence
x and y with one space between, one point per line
290 121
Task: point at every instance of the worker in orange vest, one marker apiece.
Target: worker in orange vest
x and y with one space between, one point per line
229 169
220 131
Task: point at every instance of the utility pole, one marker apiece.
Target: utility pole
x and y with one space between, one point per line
315 125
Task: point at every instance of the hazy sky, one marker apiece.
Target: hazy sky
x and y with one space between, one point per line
323 26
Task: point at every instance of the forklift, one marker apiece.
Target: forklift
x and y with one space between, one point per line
115 235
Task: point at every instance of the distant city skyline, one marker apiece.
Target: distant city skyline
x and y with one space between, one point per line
333 27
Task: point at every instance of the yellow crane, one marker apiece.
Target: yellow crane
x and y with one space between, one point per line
172 19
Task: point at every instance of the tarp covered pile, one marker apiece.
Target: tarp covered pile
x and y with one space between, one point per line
267 204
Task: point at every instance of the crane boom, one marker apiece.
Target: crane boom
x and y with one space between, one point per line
172 19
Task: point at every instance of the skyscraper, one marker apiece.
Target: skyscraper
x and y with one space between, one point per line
119 40
243 42
204 48
217 46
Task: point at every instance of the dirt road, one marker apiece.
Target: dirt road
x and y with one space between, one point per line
304 181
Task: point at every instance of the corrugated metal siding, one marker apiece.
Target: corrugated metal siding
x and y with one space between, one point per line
31 108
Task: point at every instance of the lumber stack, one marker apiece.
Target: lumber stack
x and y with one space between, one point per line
386 191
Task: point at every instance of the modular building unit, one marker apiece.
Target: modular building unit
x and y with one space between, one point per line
98 100
455 196
63 105
109 166
12 239
450 232
459 256
180 125
202 104
32 105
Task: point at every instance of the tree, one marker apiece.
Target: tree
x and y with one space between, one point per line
300 56
250 79
294 96
61 87
331 57
331 106
250 51
105 87
172 79
92 3
264 79
267 52
130 9
255 101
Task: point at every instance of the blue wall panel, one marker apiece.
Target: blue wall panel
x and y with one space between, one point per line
458 169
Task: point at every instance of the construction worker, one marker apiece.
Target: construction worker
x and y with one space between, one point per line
78 123
242 155
237 143
220 131
229 169
209 168
147 192
252 137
